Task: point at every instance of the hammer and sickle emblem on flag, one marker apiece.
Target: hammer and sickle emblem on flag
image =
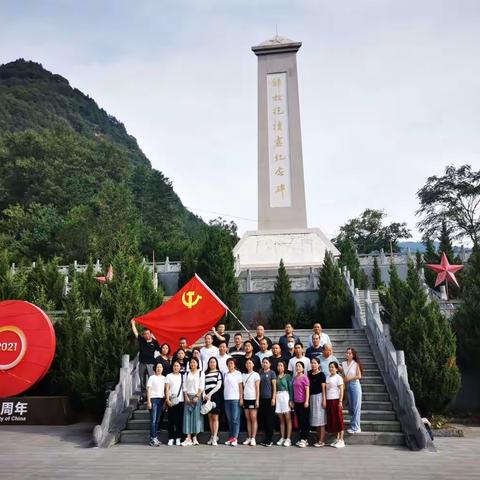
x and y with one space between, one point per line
187 299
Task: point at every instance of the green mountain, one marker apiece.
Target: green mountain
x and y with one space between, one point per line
73 182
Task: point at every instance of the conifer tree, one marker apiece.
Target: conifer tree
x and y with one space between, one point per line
349 258
89 288
69 370
446 244
216 267
12 285
377 281
334 302
418 260
393 298
284 307
188 267
426 337
430 256
467 318
447 248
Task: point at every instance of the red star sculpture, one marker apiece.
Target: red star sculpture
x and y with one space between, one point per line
445 271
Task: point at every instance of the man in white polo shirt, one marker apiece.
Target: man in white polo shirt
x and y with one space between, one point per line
324 338
264 351
298 357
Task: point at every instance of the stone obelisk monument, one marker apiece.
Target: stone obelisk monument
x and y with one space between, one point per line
281 191
282 218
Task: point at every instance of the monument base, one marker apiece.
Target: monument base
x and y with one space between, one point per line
297 248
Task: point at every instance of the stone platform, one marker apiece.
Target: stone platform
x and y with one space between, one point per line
38 452
297 247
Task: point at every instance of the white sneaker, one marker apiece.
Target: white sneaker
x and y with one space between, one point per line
353 432
247 441
252 442
302 444
229 441
281 442
195 441
234 442
287 443
214 442
210 440
170 442
339 444
334 442
187 443
178 442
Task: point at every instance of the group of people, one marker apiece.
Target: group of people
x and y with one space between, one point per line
303 387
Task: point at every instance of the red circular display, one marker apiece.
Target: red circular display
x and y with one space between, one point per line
27 346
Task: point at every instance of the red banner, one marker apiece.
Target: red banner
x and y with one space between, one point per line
190 313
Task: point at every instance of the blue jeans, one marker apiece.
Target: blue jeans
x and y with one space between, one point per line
232 410
354 391
155 412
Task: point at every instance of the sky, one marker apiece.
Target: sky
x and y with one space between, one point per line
389 92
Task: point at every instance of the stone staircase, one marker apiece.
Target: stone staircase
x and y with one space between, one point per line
378 421
362 295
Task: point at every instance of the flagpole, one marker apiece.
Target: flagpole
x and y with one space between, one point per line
226 308
246 329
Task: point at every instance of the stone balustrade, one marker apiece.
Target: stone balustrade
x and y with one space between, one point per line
120 405
391 363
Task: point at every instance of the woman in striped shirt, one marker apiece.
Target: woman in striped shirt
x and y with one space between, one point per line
213 392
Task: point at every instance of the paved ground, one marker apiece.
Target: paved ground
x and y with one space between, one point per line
63 452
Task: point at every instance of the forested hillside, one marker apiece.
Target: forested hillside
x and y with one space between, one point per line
73 182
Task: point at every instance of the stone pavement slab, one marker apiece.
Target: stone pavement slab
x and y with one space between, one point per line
28 452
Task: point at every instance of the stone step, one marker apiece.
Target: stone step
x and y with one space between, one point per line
376 415
373 388
141 416
377 405
363 438
375 397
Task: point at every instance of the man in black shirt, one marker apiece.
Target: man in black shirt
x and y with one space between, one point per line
315 350
249 354
237 349
147 346
283 340
182 344
276 357
260 336
219 335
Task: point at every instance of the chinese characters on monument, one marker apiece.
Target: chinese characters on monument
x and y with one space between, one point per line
278 141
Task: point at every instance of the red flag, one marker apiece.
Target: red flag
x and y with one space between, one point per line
190 313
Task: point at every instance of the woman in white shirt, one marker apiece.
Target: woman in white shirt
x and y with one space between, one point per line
155 399
193 387
233 399
333 404
251 398
174 396
352 374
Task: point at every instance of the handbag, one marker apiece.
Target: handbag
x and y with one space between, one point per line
295 424
175 397
207 407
